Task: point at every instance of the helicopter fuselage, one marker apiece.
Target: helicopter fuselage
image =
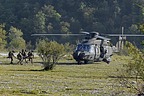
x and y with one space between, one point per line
93 50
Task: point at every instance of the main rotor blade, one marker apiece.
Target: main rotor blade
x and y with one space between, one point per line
104 38
85 33
56 34
131 35
97 33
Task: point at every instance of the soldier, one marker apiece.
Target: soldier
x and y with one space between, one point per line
30 56
20 58
102 52
23 53
11 55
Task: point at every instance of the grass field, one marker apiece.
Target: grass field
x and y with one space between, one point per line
67 79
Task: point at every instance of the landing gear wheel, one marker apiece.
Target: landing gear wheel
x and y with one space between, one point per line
79 62
85 62
107 62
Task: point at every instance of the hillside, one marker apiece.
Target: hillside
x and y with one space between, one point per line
70 16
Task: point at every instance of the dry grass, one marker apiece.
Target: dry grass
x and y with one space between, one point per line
67 79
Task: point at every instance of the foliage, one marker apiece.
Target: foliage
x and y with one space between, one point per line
29 46
69 47
50 52
39 22
15 39
69 16
133 73
136 65
45 18
65 27
3 41
142 27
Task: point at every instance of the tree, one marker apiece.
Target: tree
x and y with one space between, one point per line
39 22
16 40
29 46
65 27
51 13
59 16
46 19
142 27
3 41
50 52
133 72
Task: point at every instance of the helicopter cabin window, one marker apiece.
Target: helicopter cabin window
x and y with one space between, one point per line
82 47
92 48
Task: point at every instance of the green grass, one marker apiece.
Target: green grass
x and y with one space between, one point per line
66 79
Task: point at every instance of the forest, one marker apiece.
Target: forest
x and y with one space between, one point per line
21 18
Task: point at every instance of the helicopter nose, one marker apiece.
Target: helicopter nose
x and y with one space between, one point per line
81 55
78 55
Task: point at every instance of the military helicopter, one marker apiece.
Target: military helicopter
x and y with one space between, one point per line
92 48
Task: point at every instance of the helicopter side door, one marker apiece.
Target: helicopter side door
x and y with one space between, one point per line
92 52
97 53
109 51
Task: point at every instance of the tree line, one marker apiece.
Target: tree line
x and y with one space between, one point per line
19 19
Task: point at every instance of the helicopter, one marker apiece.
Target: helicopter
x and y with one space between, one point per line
92 48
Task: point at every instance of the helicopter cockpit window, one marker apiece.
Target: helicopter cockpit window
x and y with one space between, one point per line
82 47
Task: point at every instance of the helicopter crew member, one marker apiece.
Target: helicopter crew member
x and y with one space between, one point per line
102 52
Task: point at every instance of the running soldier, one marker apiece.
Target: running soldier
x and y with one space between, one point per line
11 55
24 56
30 56
20 58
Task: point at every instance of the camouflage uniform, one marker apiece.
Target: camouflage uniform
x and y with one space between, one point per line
11 55
24 56
20 58
30 56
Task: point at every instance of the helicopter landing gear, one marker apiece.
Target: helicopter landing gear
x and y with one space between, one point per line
85 61
79 62
107 61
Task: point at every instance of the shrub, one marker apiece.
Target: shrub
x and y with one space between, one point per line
50 52
133 73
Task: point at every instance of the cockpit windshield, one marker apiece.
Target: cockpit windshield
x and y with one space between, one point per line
82 47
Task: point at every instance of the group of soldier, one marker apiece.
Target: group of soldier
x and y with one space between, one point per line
23 55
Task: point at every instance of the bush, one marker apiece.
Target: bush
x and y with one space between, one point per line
50 52
133 73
